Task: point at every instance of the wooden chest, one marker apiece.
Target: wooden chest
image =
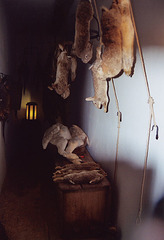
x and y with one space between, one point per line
84 208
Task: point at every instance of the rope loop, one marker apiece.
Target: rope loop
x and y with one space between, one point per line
151 101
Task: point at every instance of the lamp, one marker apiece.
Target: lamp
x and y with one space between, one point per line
31 111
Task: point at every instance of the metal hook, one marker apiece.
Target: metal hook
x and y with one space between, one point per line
157 130
120 116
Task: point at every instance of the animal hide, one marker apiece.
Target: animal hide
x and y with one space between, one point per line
81 177
82 46
58 135
78 138
118 39
62 170
73 67
100 83
127 31
61 85
118 54
65 64
89 172
65 140
4 99
111 38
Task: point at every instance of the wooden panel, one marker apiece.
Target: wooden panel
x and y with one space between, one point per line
84 207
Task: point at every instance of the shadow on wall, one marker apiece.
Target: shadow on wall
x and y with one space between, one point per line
77 94
159 209
126 193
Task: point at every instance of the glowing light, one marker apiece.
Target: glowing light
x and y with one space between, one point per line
31 111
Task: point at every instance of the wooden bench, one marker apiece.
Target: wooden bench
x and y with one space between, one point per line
84 208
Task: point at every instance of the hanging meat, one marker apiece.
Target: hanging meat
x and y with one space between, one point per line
82 46
100 84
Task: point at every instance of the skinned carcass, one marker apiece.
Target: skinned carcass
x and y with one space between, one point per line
82 46
100 84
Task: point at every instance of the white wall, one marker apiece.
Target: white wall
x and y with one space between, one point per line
102 131
133 100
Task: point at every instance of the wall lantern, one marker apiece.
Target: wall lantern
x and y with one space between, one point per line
31 111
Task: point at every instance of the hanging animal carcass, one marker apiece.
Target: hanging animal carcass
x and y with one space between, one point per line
65 64
100 84
118 39
111 38
82 46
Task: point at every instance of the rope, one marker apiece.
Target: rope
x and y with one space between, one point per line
138 220
118 134
152 116
150 101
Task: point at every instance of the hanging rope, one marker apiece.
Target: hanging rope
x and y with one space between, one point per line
152 116
118 134
150 100
138 220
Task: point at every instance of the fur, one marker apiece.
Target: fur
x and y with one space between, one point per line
70 168
65 140
83 176
82 46
73 67
111 38
61 85
100 83
57 135
118 39
127 32
66 64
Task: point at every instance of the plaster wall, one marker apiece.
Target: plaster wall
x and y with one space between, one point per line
133 101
